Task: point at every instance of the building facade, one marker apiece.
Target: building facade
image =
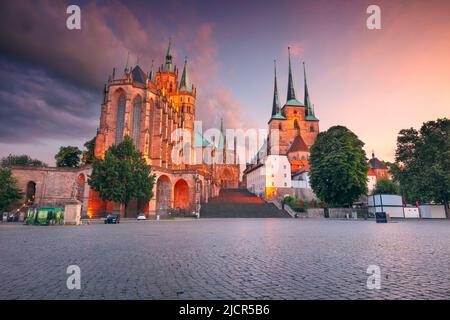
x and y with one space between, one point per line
157 110
293 129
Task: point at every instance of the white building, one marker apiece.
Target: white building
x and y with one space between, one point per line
273 171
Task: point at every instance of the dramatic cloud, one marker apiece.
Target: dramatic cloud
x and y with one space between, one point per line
51 78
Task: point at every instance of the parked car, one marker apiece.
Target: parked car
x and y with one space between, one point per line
112 218
141 216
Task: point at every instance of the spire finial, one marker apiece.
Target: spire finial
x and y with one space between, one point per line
185 83
168 65
276 102
291 91
307 100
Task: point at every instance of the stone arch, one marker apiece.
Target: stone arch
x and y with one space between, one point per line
120 108
181 194
227 178
163 193
30 194
81 182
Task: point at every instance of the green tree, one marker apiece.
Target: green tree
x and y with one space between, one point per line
422 163
9 193
386 186
338 167
122 175
88 153
20 160
68 157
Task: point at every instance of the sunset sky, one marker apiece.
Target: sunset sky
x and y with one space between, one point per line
375 82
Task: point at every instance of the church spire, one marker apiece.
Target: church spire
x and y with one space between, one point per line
185 83
276 102
152 73
126 65
307 100
291 91
168 66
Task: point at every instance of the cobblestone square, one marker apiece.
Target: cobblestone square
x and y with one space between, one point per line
227 259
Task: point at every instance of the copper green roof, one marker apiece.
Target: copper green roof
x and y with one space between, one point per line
278 116
311 118
185 83
168 66
294 102
200 141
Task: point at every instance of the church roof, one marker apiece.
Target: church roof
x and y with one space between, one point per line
200 141
138 75
294 102
311 117
298 145
376 164
291 91
185 83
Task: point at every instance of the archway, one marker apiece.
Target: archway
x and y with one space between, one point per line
226 179
81 180
30 193
181 194
163 193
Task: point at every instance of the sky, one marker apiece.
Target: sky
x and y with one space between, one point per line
375 82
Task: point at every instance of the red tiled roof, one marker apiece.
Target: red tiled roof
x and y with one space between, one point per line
298 145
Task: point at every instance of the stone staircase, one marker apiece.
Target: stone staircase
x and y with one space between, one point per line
240 203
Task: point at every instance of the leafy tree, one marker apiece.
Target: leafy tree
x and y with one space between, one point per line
68 157
122 175
338 167
8 189
21 160
422 162
386 186
88 154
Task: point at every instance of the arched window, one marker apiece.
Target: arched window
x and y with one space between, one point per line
120 118
136 124
311 129
280 127
296 126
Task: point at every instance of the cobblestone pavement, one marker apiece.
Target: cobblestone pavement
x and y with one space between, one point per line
227 259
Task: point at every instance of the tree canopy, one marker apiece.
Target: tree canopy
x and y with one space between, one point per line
122 175
338 167
386 186
69 156
9 193
422 162
88 153
20 160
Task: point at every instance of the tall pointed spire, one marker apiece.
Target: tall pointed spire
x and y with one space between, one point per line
152 75
308 105
185 83
168 66
126 65
276 102
291 91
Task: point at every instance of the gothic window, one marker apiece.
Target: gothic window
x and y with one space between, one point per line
280 127
311 129
136 124
120 118
296 126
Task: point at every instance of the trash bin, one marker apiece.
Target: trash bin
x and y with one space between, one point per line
381 217
326 212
